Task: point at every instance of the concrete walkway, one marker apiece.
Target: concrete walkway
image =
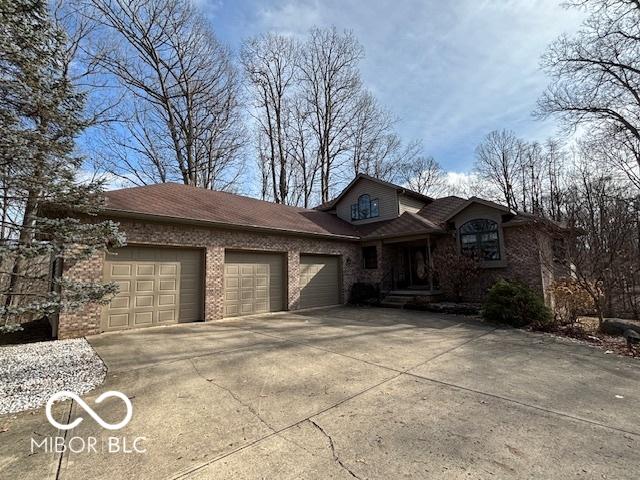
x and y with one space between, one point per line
348 393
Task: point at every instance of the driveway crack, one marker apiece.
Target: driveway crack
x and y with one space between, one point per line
248 407
234 396
333 450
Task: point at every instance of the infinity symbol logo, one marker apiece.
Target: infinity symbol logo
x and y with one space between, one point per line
89 410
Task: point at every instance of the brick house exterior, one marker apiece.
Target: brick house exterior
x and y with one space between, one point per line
213 242
411 226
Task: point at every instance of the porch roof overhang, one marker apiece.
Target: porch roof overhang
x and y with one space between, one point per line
406 226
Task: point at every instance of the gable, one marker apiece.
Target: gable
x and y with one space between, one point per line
477 211
386 195
409 204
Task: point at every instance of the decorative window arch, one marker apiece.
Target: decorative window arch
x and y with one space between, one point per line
365 207
480 238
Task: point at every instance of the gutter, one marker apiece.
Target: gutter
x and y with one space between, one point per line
225 225
403 235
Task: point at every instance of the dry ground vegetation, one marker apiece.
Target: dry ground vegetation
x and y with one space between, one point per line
571 319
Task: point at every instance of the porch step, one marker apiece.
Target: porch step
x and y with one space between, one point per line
396 300
399 298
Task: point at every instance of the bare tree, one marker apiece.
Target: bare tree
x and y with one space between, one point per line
605 254
499 162
305 154
595 79
182 121
424 175
330 83
269 63
555 159
370 133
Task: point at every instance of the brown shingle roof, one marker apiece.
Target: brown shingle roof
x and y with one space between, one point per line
439 210
406 224
187 203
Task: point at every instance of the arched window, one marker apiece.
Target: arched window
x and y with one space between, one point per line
366 207
480 238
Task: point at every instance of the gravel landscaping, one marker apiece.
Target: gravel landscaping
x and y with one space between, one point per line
31 373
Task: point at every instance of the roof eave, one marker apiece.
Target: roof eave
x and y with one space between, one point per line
480 201
231 226
403 235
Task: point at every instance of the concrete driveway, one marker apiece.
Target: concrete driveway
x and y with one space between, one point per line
348 393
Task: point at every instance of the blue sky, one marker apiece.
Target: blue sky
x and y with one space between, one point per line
450 70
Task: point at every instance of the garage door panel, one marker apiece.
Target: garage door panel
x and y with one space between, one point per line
119 302
145 269
144 286
166 300
168 285
253 283
144 300
151 291
168 270
232 269
118 320
143 318
167 316
319 281
232 296
123 287
120 270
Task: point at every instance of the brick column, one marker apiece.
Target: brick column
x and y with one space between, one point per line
293 274
214 284
86 320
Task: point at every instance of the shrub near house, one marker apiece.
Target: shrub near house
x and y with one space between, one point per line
517 305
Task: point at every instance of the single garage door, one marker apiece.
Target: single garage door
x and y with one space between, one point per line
319 281
158 286
253 283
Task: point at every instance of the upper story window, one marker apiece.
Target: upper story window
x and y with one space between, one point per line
366 207
480 238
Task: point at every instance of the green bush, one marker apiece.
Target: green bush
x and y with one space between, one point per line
364 293
517 305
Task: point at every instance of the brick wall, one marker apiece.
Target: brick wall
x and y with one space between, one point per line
522 262
214 242
523 247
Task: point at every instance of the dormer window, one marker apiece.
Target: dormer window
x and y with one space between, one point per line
366 207
480 238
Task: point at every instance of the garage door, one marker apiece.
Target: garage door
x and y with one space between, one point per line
158 286
253 283
319 281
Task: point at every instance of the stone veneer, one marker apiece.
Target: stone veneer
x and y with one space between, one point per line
214 242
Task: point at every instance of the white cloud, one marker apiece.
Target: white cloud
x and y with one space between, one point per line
112 182
452 71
